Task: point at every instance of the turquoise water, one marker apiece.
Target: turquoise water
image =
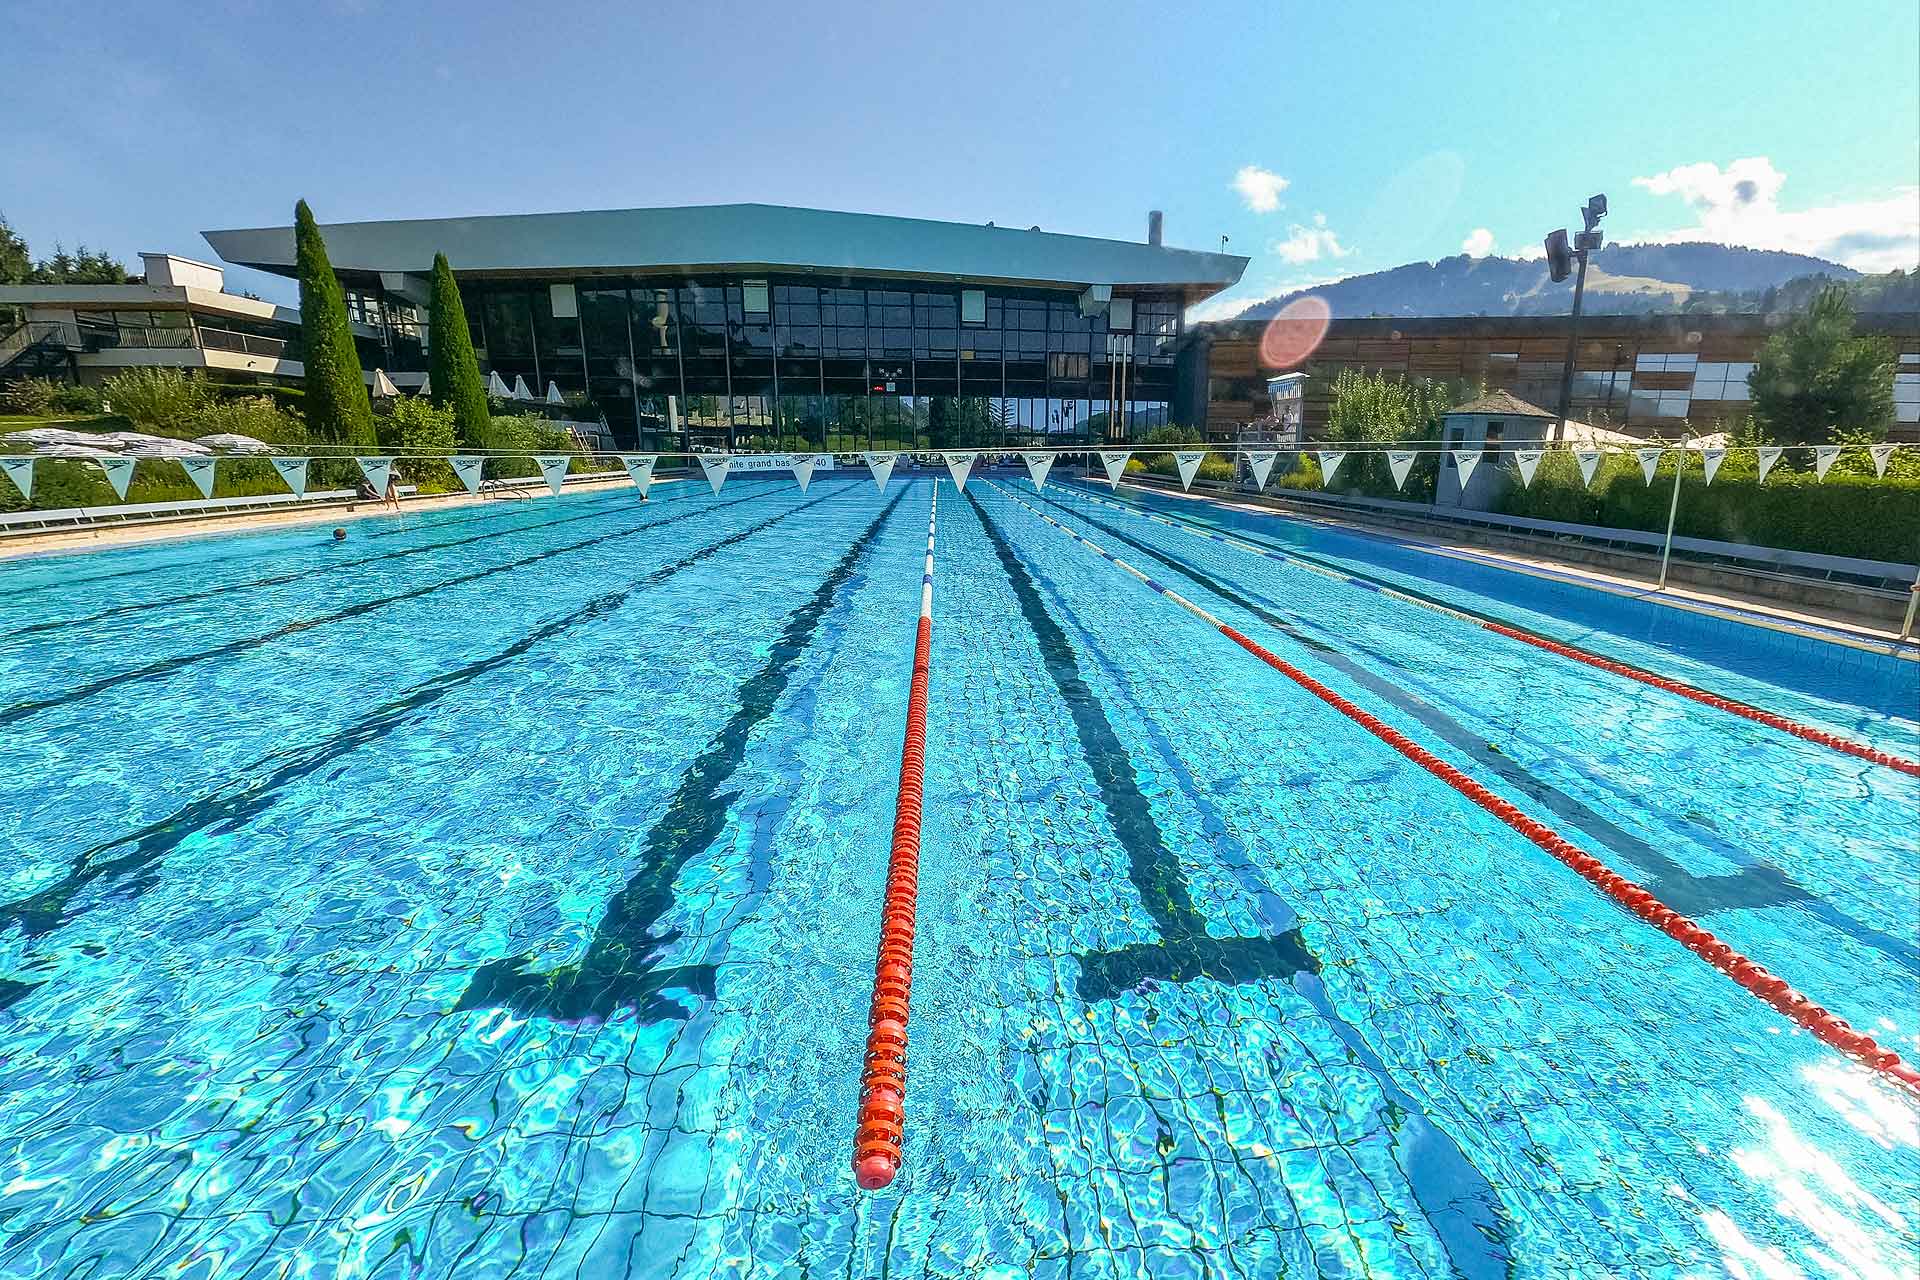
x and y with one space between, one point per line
495 894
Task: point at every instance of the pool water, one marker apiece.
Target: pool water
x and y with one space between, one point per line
495 893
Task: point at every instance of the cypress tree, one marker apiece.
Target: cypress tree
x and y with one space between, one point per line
336 400
452 371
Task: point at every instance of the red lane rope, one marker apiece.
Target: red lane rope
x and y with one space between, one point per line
1828 1027
881 1131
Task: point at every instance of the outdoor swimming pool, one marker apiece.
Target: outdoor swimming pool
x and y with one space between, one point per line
496 893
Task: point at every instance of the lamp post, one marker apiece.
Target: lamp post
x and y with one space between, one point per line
1560 263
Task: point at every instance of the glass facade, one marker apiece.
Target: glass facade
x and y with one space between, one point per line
789 362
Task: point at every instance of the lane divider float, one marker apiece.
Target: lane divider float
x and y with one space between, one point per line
881 1132
1560 648
1776 991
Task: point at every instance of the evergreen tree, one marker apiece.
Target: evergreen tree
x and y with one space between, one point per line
1815 379
336 401
452 371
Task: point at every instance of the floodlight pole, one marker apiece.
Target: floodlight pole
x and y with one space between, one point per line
1573 345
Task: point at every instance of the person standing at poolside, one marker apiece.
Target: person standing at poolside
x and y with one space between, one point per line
392 496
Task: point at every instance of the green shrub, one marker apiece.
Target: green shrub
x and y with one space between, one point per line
73 398
414 426
451 367
165 402
255 416
337 404
31 396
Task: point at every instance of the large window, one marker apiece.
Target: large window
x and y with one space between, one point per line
1717 381
1906 390
1665 362
1658 404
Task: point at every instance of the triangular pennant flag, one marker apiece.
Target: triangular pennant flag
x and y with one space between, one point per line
20 471
1649 461
554 467
520 388
377 471
1186 462
294 472
1881 453
497 386
1400 462
1769 454
640 469
120 474
1823 456
1712 459
716 466
1115 462
1038 464
1528 460
1260 462
881 465
469 469
1589 460
553 393
958 466
1330 460
200 471
803 470
1466 460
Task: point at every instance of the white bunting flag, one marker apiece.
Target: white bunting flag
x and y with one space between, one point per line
640 469
377 471
1881 453
554 467
1400 462
200 471
520 389
1712 459
497 386
1038 464
20 471
1589 460
1769 454
1115 462
1330 460
1528 460
716 466
1823 456
958 466
293 471
1187 462
881 465
469 470
119 474
1260 462
803 470
1466 460
1649 461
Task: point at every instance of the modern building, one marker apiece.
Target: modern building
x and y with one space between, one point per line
1644 374
747 325
179 316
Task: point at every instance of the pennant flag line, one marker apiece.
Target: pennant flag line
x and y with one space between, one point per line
1769 454
554 467
1466 460
1260 462
469 470
1881 453
1330 460
1589 460
958 466
1115 462
20 471
377 471
1823 456
803 470
1528 460
716 466
1038 464
1400 462
881 465
1712 459
200 471
293 472
1186 462
120 474
1649 461
640 469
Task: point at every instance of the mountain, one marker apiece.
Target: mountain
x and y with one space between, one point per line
1621 279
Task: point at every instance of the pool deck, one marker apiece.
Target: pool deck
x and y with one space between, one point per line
107 537
1728 605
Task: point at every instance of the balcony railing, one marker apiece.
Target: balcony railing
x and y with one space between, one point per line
247 343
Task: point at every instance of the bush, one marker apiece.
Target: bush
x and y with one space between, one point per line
30 396
255 416
163 402
525 434
415 426
73 398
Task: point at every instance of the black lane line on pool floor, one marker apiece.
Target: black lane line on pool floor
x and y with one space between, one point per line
167 666
620 969
141 606
232 807
1757 885
1459 1202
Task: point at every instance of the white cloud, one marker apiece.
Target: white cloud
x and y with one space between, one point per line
1530 252
1739 205
1260 188
1308 244
1478 244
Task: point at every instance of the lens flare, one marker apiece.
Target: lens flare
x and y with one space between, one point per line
1293 334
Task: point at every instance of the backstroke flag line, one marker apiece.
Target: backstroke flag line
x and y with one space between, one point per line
1466 460
1038 464
881 465
469 470
959 465
200 471
1528 460
20 471
1649 461
803 470
1400 462
1330 460
377 471
1880 452
1115 461
554 467
1260 462
1186 462
640 469
1769 454
1823 456
1589 463
293 472
119 474
716 469
1712 459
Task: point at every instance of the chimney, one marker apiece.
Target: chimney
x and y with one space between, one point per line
1153 226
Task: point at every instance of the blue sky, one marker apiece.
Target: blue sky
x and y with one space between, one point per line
1324 140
